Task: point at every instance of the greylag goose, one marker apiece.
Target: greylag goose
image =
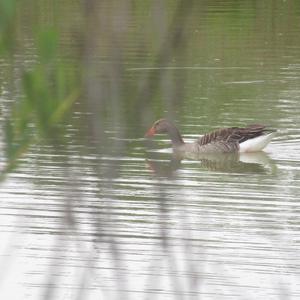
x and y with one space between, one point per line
252 138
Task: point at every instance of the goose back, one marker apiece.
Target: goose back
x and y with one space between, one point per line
228 139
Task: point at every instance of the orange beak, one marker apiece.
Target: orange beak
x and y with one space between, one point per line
151 132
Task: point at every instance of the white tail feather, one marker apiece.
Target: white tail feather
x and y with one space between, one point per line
256 144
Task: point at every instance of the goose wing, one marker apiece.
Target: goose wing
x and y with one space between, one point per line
232 136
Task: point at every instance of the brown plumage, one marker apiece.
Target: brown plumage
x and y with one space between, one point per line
233 134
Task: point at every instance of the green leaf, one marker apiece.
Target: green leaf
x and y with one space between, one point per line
47 45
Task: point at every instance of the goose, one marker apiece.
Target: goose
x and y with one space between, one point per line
252 138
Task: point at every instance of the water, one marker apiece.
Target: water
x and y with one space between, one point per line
108 215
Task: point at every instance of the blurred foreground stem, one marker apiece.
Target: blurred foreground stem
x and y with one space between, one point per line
48 91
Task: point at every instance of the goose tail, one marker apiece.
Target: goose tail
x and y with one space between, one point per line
258 143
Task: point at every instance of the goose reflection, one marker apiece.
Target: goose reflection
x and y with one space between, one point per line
255 163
